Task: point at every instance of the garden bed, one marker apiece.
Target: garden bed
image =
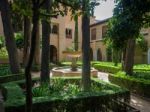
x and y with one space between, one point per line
138 84
110 68
6 76
65 95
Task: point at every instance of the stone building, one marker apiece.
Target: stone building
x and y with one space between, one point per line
98 48
62 35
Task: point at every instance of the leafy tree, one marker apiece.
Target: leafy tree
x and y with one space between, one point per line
9 36
129 17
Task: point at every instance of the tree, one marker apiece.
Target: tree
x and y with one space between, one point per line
85 7
27 38
129 17
45 44
86 69
35 21
76 35
9 37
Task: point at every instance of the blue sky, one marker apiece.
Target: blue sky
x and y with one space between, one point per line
104 10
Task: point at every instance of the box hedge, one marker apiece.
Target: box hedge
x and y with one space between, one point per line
136 85
79 103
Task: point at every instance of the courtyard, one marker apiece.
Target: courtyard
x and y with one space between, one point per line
74 56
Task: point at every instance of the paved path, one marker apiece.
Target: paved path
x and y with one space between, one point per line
139 103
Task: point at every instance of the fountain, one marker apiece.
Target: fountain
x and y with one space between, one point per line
73 70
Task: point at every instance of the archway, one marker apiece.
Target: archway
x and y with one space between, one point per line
53 54
99 55
91 54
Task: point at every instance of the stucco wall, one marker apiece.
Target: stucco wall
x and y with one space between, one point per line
98 43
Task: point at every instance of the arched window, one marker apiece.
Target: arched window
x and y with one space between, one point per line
53 54
91 54
55 29
99 55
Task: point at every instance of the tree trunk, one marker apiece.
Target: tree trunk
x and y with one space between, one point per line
86 81
129 60
35 20
9 37
27 39
123 59
76 37
45 45
37 48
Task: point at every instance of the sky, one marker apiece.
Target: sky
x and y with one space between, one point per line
104 10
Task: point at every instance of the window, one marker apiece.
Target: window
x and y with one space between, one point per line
68 33
93 34
104 30
54 29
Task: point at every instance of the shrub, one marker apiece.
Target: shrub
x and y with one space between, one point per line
2 42
19 40
4 70
11 77
134 84
83 101
106 68
3 53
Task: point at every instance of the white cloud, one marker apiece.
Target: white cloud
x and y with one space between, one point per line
104 10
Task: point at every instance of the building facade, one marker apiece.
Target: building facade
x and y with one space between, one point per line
98 48
62 35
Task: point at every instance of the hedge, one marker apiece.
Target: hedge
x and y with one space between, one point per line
88 101
106 68
136 85
11 77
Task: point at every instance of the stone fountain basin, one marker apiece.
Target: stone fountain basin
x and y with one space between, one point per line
66 72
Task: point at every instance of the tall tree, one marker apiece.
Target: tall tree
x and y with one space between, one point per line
129 17
86 80
45 44
76 35
35 21
9 36
27 38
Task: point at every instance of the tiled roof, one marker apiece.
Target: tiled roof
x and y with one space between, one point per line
98 22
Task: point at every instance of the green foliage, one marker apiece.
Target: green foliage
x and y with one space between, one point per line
3 53
4 71
129 17
134 83
41 91
11 77
107 68
2 42
72 99
19 40
67 63
142 43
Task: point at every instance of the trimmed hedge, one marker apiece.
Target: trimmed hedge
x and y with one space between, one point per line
106 68
110 68
86 101
136 85
12 77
